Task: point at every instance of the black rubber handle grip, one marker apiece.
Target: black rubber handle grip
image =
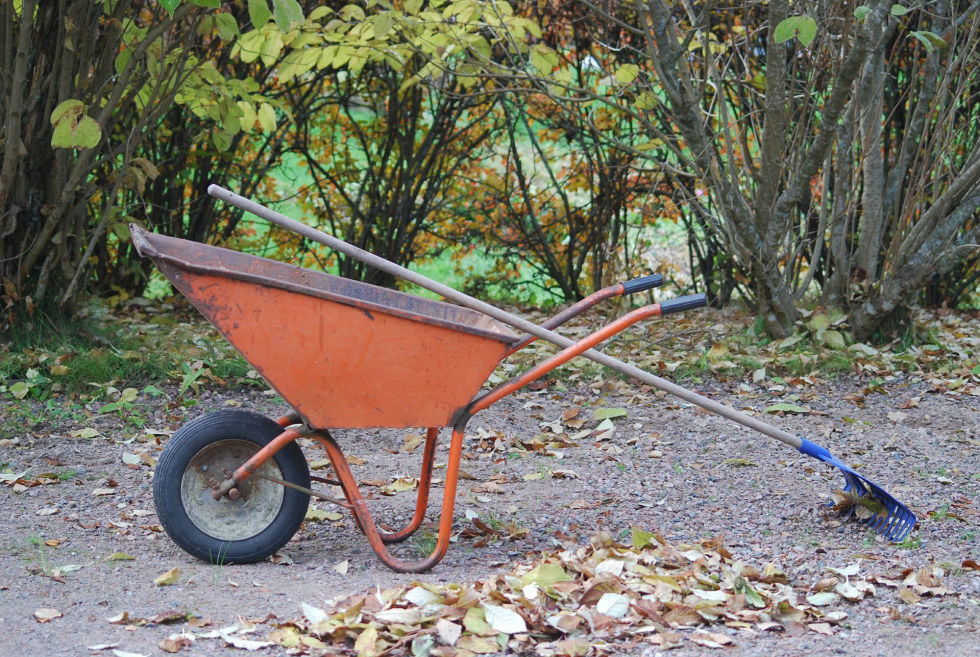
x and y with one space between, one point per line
642 283
683 303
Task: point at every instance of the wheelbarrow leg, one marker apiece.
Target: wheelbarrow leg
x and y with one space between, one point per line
425 484
363 516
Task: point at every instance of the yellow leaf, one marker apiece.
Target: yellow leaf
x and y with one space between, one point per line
366 643
168 578
267 117
717 352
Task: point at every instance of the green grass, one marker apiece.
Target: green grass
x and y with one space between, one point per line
910 542
52 352
66 475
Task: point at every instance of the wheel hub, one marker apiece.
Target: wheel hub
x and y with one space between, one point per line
230 518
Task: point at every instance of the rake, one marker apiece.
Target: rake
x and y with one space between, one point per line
894 520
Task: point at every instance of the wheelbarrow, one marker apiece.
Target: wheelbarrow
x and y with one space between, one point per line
233 486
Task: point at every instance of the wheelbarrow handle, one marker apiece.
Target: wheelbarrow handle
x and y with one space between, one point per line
576 309
642 283
679 305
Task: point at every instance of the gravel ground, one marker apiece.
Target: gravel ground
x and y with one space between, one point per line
667 467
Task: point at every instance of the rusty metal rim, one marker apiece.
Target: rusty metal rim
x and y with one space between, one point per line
142 241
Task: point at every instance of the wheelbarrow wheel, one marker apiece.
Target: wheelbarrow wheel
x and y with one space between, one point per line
207 451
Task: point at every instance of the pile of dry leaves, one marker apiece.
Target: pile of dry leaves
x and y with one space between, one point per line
592 600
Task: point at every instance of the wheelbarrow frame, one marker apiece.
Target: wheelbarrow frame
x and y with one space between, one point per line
356 502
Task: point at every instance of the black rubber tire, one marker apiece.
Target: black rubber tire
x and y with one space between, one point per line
228 531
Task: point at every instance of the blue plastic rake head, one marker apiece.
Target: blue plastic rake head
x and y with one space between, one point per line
894 525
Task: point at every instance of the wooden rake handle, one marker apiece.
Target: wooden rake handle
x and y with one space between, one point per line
467 301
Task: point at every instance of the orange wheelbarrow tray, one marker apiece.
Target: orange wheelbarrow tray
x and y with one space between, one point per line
234 486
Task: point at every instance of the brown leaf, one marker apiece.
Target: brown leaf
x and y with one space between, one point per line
826 584
650 609
598 587
175 643
478 644
908 595
572 647
683 615
711 639
487 487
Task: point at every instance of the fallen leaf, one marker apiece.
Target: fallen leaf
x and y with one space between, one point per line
502 619
168 578
103 491
823 599
46 614
421 596
366 641
401 485
564 474
785 407
711 639
448 631
245 644
120 556
608 413
314 614
908 595
849 591
477 644
545 575
579 647
410 443
399 616
614 605
319 515
176 643
342 567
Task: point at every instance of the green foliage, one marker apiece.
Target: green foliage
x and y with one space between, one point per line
72 128
802 27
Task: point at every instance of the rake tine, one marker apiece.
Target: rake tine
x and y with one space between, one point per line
894 523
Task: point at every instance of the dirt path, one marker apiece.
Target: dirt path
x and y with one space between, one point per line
89 545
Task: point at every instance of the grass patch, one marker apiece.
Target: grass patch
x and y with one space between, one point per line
101 349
